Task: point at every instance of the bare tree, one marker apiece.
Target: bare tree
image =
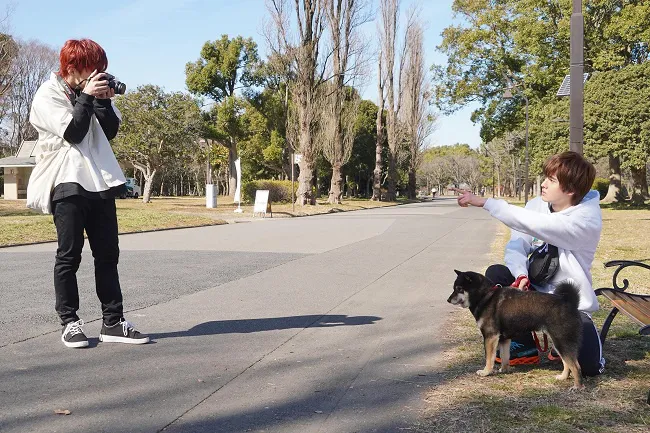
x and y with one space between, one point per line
417 119
336 135
31 67
376 184
305 56
389 10
8 50
343 17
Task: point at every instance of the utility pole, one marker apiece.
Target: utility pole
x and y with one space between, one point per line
576 113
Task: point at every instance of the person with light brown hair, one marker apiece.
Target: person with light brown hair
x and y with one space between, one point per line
561 229
77 178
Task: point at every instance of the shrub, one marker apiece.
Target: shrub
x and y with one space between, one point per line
601 185
279 190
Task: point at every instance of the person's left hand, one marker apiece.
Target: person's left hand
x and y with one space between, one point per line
466 198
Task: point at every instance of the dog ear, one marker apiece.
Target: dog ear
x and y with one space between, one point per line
459 273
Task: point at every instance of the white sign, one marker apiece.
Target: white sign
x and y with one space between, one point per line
210 195
262 204
297 158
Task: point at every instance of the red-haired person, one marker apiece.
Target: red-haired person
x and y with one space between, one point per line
76 179
553 239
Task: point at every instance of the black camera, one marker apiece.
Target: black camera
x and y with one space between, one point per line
120 88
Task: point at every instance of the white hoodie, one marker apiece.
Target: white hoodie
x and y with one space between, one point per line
91 163
575 231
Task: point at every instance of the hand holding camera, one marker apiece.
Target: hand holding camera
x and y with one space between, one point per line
103 85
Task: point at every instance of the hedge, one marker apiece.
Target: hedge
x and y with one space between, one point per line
279 190
601 185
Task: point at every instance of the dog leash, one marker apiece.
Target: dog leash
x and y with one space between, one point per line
539 347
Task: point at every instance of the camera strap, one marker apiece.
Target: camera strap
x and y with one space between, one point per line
69 92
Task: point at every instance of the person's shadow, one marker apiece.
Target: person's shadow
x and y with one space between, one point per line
245 326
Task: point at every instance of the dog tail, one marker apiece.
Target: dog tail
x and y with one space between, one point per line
569 292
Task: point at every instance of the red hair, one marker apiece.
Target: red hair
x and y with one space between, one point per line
81 54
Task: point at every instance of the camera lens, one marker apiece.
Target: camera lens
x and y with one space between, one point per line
120 88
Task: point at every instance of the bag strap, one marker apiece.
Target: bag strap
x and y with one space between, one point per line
539 347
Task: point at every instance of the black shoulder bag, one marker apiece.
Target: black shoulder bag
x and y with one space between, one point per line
543 263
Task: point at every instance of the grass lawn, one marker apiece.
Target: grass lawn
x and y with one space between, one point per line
530 399
19 225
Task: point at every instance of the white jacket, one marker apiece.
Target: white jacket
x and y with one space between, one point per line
575 231
91 163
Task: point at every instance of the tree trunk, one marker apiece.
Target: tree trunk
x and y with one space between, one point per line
412 185
391 195
148 183
336 185
614 194
148 175
304 194
639 182
376 186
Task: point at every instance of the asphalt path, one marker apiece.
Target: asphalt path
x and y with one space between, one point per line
327 323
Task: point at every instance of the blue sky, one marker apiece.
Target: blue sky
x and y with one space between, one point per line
150 41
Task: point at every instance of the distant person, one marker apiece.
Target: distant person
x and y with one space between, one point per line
433 192
553 239
77 178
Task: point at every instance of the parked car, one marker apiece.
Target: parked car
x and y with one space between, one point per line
132 188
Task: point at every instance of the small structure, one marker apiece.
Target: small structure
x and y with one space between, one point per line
17 170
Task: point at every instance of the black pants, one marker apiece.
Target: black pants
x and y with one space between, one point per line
590 355
73 215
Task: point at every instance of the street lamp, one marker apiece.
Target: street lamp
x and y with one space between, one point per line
508 95
576 70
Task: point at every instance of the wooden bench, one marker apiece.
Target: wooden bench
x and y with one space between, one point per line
633 305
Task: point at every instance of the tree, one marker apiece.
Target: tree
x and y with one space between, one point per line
363 159
617 121
308 70
389 10
417 118
344 17
156 128
31 67
224 65
8 51
379 131
529 40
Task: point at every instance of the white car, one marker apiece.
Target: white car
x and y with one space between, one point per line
132 188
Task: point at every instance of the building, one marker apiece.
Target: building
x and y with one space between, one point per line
17 170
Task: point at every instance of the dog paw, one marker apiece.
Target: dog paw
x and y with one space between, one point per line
484 372
576 388
562 376
504 369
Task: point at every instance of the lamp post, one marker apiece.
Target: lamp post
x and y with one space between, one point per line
576 110
508 95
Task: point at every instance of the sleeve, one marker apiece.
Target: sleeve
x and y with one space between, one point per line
569 231
517 251
81 115
51 112
107 117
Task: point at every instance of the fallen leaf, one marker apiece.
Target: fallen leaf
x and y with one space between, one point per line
62 412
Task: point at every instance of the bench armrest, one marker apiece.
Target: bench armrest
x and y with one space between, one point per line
622 264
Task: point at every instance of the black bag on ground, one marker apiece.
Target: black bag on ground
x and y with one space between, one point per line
543 263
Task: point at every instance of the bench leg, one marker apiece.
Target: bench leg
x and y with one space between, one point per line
605 329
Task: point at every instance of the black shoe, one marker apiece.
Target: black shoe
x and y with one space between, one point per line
122 332
73 336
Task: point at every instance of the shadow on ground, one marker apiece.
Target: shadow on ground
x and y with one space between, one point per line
244 326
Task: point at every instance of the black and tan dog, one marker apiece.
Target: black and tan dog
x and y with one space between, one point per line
503 312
